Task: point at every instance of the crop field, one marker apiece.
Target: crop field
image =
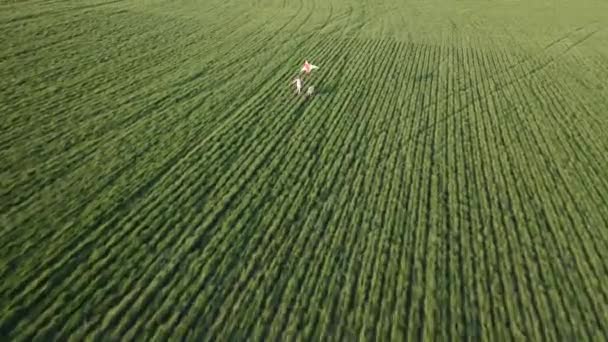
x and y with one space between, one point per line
160 180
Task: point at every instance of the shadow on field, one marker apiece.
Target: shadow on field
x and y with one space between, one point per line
326 90
424 77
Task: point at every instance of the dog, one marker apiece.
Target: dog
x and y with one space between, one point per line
310 91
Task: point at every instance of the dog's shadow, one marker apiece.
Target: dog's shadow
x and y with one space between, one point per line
325 90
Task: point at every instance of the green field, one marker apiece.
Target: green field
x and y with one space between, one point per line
160 179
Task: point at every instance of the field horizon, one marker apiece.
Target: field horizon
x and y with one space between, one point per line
162 181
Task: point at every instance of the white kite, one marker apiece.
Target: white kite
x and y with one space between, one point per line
307 67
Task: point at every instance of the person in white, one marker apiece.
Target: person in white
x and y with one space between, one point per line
298 83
